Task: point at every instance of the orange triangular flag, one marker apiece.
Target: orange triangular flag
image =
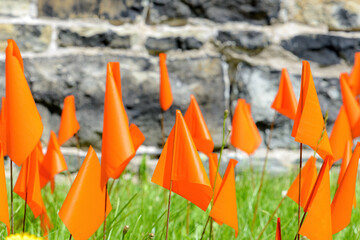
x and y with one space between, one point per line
197 127
83 209
278 230
245 135
24 127
340 134
213 165
342 203
4 208
285 100
309 123
166 98
118 147
136 135
345 161
3 139
352 107
224 209
52 163
354 78
180 164
317 224
308 178
68 123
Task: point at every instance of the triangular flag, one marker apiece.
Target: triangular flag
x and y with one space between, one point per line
308 178
3 139
354 78
180 163
352 107
342 203
24 127
83 209
285 100
224 209
166 98
213 165
28 187
309 123
68 123
4 208
198 128
317 224
340 134
278 230
245 135
118 147
53 162
345 161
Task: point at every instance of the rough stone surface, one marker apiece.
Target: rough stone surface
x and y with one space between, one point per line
17 8
323 49
92 37
158 45
52 79
34 38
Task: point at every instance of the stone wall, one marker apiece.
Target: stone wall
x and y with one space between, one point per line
217 50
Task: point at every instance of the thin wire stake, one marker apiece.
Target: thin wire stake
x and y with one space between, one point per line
104 233
12 196
168 211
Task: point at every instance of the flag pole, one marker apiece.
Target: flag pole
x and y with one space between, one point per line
162 128
11 196
78 149
26 191
168 211
70 236
187 217
263 172
104 234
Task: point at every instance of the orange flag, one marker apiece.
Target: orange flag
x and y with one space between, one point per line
342 203
278 230
119 143
197 127
4 208
180 164
224 209
213 164
309 122
68 123
285 100
354 78
317 224
166 98
352 107
3 139
245 135
308 178
345 161
83 209
340 134
28 186
53 162
24 127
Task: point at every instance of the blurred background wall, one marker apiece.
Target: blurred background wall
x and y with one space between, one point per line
218 50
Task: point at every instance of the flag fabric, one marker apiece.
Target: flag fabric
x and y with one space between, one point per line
285 100
278 230
224 209
345 161
340 135
354 78
198 128
24 126
180 164
166 98
213 165
83 209
118 147
317 224
4 208
352 107
308 178
309 123
342 203
52 163
3 124
245 135
68 122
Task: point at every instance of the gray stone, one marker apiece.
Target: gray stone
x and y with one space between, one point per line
323 49
17 8
52 79
90 37
158 45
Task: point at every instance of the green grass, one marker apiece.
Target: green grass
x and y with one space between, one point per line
146 212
